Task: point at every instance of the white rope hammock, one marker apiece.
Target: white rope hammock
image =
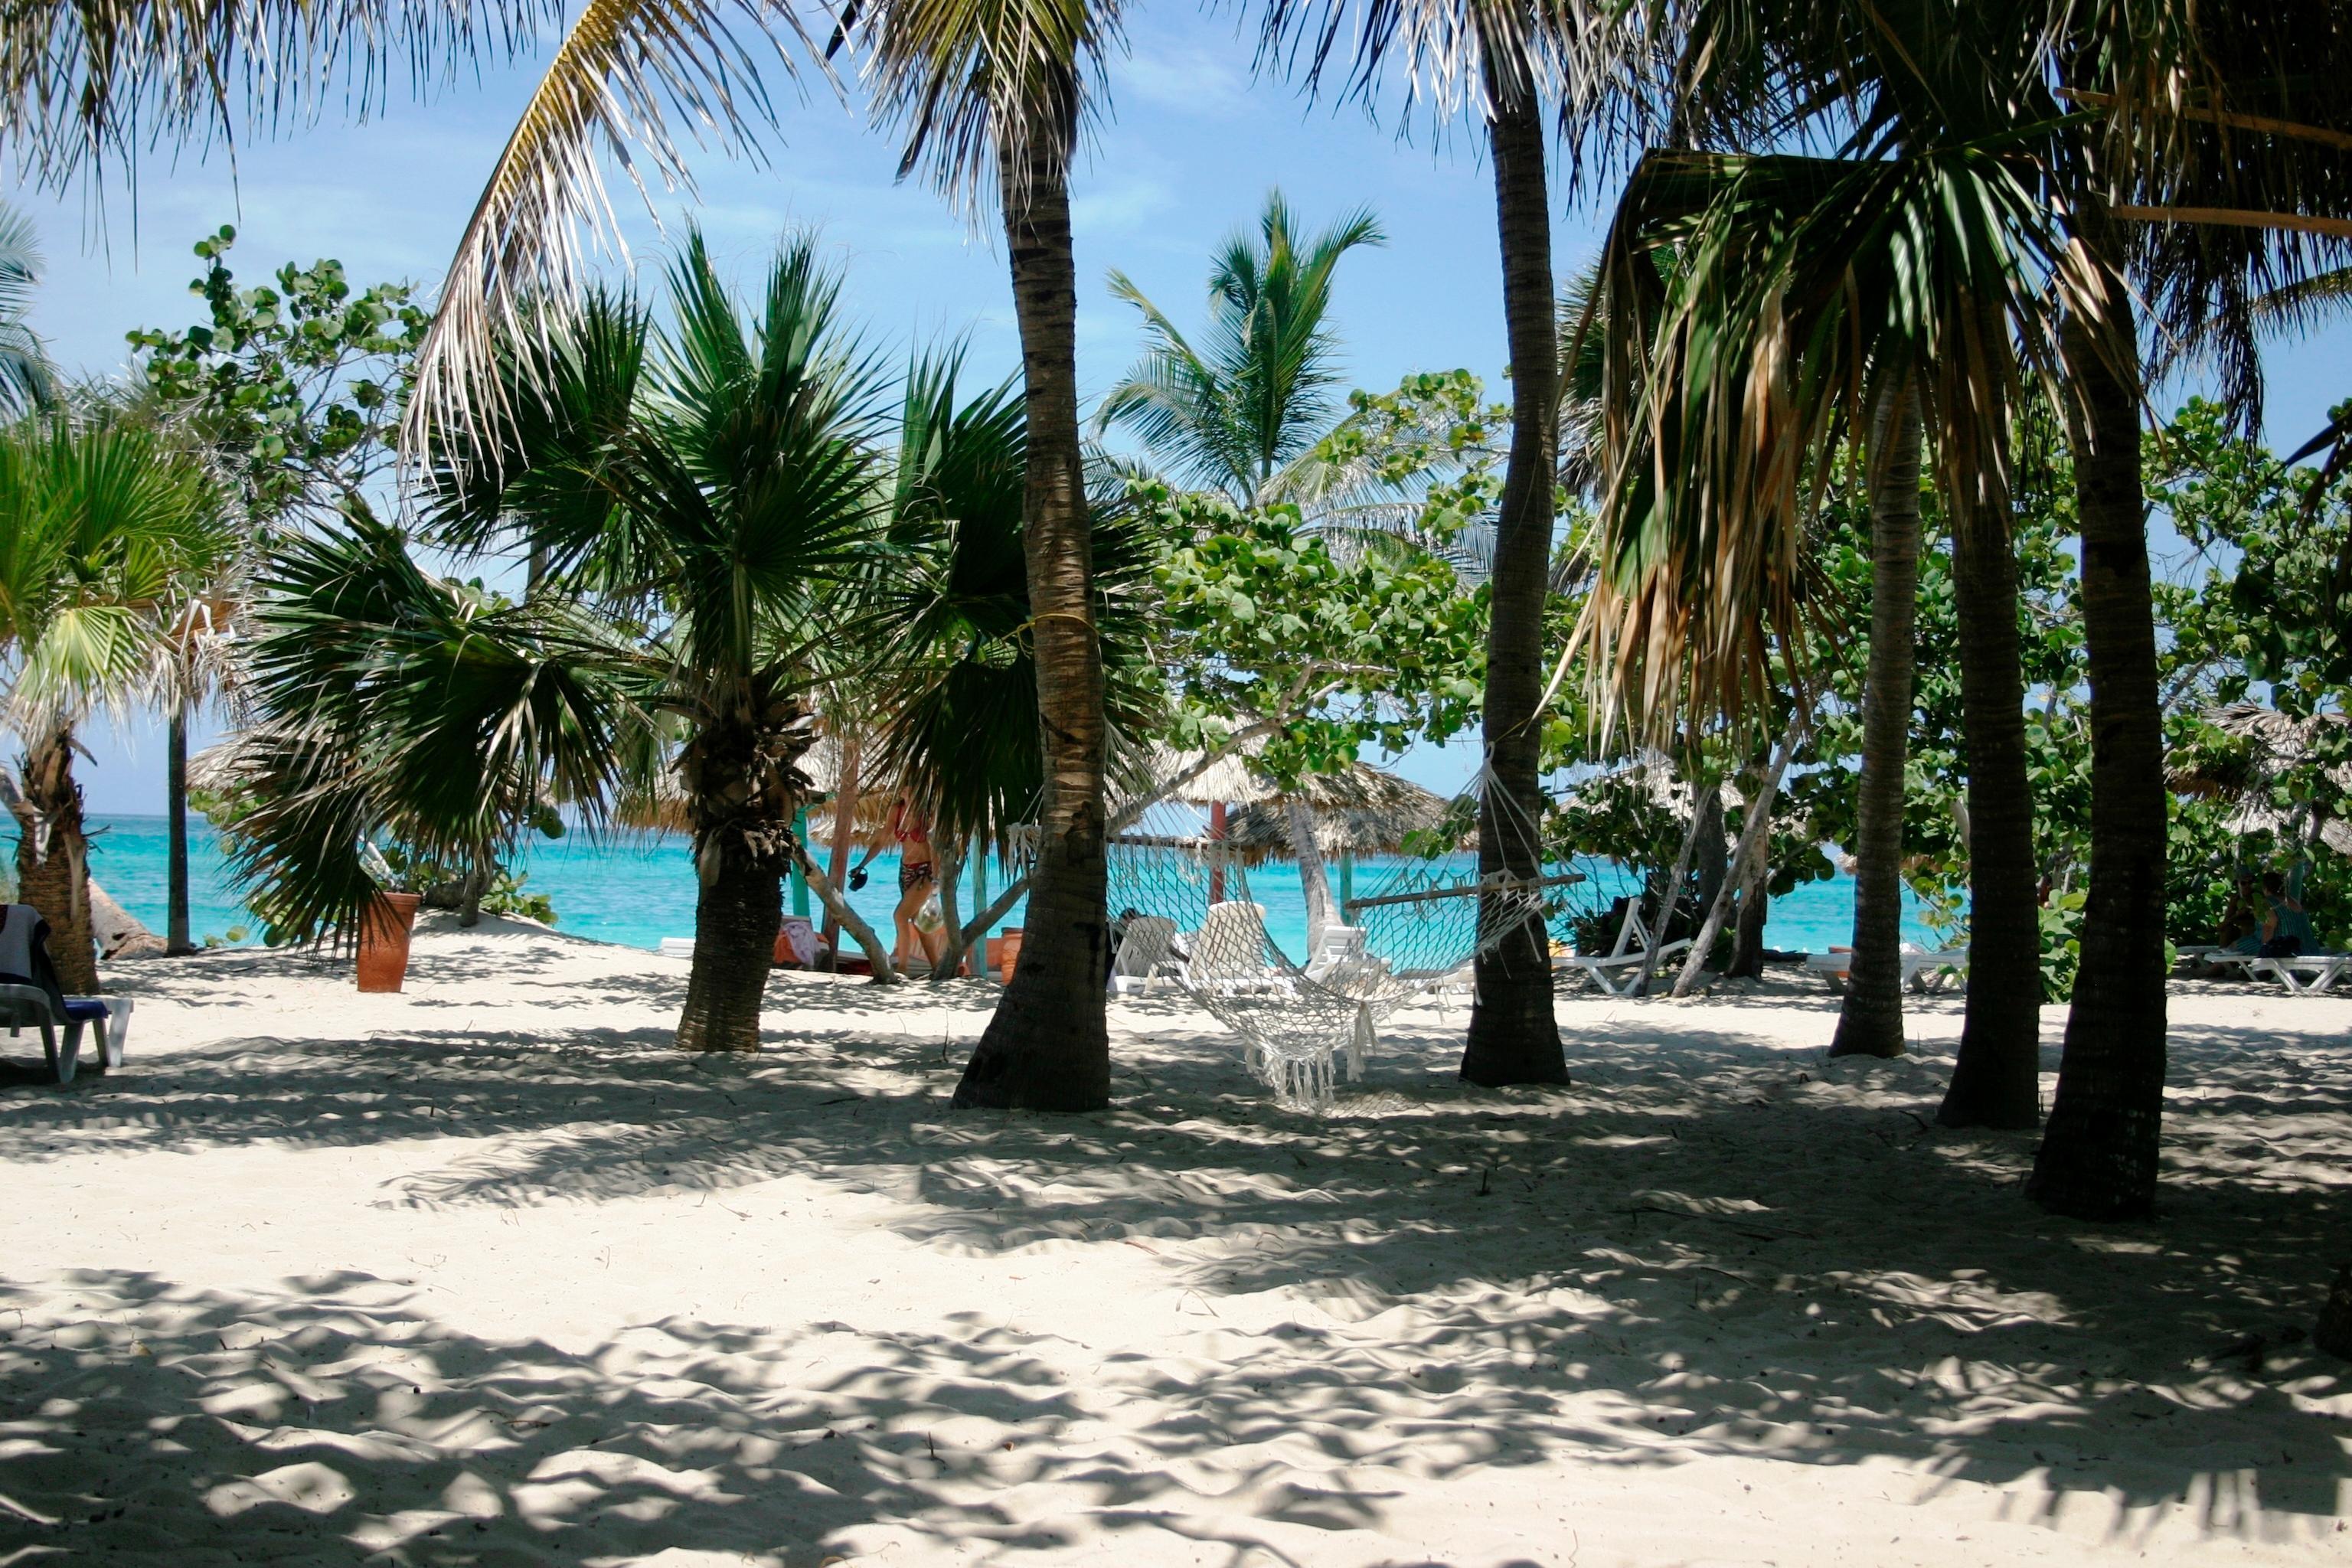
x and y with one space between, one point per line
1185 914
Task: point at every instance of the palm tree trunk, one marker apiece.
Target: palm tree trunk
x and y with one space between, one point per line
53 857
1514 1037
2098 1155
1048 1046
1996 1080
735 773
175 788
736 918
1871 1021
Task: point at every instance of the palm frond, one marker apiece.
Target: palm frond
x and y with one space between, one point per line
391 703
983 86
1796 293
623 68
1255 394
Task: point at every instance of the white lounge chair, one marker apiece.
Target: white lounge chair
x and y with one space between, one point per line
1922 970
2307 975
1146 951
1621 971
1229 953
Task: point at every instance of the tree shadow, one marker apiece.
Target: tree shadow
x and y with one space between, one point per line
1714 1248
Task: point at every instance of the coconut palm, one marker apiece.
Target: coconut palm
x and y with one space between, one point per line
1946 174
105 531
992 94
1255 394
1498 60
713 480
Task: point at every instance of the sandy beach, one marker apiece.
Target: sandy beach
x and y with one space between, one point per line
486 1274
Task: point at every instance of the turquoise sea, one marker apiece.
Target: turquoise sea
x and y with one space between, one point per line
637 889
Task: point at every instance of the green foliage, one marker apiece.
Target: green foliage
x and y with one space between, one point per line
2062 942
1255 394
296 390
1263 619
104 530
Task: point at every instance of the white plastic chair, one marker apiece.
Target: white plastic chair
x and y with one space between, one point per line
1147 951
1229 953
1618 973
29 1007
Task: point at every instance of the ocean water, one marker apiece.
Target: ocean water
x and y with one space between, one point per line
637 889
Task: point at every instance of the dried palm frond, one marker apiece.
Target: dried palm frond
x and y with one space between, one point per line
622 70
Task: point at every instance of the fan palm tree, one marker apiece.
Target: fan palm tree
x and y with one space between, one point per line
1255 396
1498 58
105 531
950 601
715 482
992 95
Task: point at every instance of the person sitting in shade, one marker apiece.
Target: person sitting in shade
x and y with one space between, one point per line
2287 931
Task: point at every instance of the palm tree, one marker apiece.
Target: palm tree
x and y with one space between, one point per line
104 533
1870 1023
711 482
1256 395
2222 127
994 95
1947 231
1500 60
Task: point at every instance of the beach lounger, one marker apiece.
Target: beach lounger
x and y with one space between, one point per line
1621 971
1229 953
2305 976
1922 970
1146 951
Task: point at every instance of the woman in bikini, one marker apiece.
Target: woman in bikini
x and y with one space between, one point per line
918 875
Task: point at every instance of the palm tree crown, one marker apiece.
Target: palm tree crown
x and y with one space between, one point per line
1255 394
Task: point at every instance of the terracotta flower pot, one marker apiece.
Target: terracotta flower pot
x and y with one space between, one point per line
384 941
1007 954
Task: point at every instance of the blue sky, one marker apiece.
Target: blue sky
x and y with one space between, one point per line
1186 155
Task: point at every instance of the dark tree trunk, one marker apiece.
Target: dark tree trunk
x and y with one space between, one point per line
1713 862
53 859
1513 1037
1755 907
1871 1021
1996 1080
735 921
175 789
742 792
2098 1155
1048 1046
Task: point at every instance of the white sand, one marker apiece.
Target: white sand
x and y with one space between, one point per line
486 1274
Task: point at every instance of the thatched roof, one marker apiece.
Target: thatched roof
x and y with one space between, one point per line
1363 810
2277 744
